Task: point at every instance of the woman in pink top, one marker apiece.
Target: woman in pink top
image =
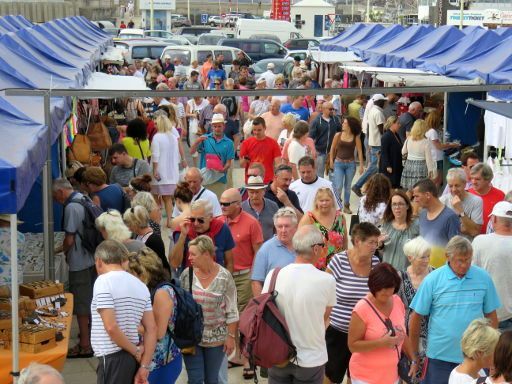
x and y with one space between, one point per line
376 333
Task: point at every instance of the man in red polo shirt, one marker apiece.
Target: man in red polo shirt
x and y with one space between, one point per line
260 148
248 236
481 177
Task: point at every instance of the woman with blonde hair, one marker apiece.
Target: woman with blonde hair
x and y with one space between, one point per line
112 227
289 121
331 223
478 344
419 164
137 220
165 161
434 134
166 365
146 200
214 289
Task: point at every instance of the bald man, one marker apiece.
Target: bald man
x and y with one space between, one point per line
248 236
194 179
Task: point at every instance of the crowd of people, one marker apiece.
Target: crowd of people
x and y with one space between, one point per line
421 275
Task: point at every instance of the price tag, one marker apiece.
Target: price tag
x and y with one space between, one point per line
57 305
36 321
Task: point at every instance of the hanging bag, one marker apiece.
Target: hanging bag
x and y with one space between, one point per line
213 160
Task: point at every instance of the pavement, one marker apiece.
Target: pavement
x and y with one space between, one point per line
83 371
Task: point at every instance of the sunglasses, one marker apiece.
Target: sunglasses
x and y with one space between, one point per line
227 203
200 220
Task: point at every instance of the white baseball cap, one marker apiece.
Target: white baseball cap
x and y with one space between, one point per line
378 97
502 209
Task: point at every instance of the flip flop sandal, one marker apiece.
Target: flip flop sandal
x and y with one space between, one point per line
78 352
248 373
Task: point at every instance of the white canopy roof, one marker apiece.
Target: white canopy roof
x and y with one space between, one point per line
334 57
102 81
414 80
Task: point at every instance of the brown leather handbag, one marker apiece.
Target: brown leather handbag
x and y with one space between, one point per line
99 136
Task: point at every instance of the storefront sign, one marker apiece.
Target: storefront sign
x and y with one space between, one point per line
168 5
281 10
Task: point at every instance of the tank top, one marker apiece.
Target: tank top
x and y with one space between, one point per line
345 149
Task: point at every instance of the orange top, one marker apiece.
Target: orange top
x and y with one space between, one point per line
379 365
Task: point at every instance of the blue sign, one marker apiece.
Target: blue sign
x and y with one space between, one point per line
204 18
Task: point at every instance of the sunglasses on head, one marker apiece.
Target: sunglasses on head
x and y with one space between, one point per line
200 220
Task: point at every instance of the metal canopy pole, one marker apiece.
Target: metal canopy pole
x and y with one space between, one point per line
99 94
14 302
49 262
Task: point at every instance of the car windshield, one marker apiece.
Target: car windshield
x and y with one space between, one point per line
130 36
182 54
209 39
261 66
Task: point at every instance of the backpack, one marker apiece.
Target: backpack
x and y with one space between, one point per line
230 103
90 237
188 329
266 340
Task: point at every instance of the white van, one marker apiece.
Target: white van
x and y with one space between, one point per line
284 30
189 53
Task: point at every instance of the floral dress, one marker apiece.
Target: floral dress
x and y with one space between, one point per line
165 350
334 237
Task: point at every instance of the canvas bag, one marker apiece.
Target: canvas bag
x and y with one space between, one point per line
81 149
99 136
266 340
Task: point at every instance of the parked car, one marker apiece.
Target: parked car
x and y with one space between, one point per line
297 52
195 30
111 31
131 33
257 49
267 36
285 30
180 21
283 66
176 40
301 43
189 53
159 33
140 49
210 38
216 21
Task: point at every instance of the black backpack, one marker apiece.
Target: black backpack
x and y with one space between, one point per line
90 237
188 329
230 103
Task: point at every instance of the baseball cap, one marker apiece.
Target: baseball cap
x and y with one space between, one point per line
270 66
217 118
378 97
502 209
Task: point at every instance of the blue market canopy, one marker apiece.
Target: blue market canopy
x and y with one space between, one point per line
355 37
381 37
59 54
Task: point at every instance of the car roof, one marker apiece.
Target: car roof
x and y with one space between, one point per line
139 42
199 47
133 31
263 40
156 30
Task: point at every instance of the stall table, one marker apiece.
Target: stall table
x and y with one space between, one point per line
56 357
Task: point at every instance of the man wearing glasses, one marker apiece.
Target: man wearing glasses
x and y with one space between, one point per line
323 129
202 222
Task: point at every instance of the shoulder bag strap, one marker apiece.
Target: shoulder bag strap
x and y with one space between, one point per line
381 319
134 166
140 148
200 194
272 286
213 147
190 278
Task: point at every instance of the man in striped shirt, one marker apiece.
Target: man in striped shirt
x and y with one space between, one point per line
120 303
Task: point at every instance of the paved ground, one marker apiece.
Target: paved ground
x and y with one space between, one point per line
83 371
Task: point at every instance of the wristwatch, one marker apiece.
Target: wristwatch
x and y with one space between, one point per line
462 214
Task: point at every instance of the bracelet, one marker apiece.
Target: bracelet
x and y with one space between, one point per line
145 366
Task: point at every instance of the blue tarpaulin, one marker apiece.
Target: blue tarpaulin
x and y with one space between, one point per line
376 55
429 45
59 54
358 36
381 37
343 35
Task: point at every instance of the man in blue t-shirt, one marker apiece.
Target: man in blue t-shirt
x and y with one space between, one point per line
216 73
296 108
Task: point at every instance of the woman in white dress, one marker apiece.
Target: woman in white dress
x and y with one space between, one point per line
165 161
298 146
